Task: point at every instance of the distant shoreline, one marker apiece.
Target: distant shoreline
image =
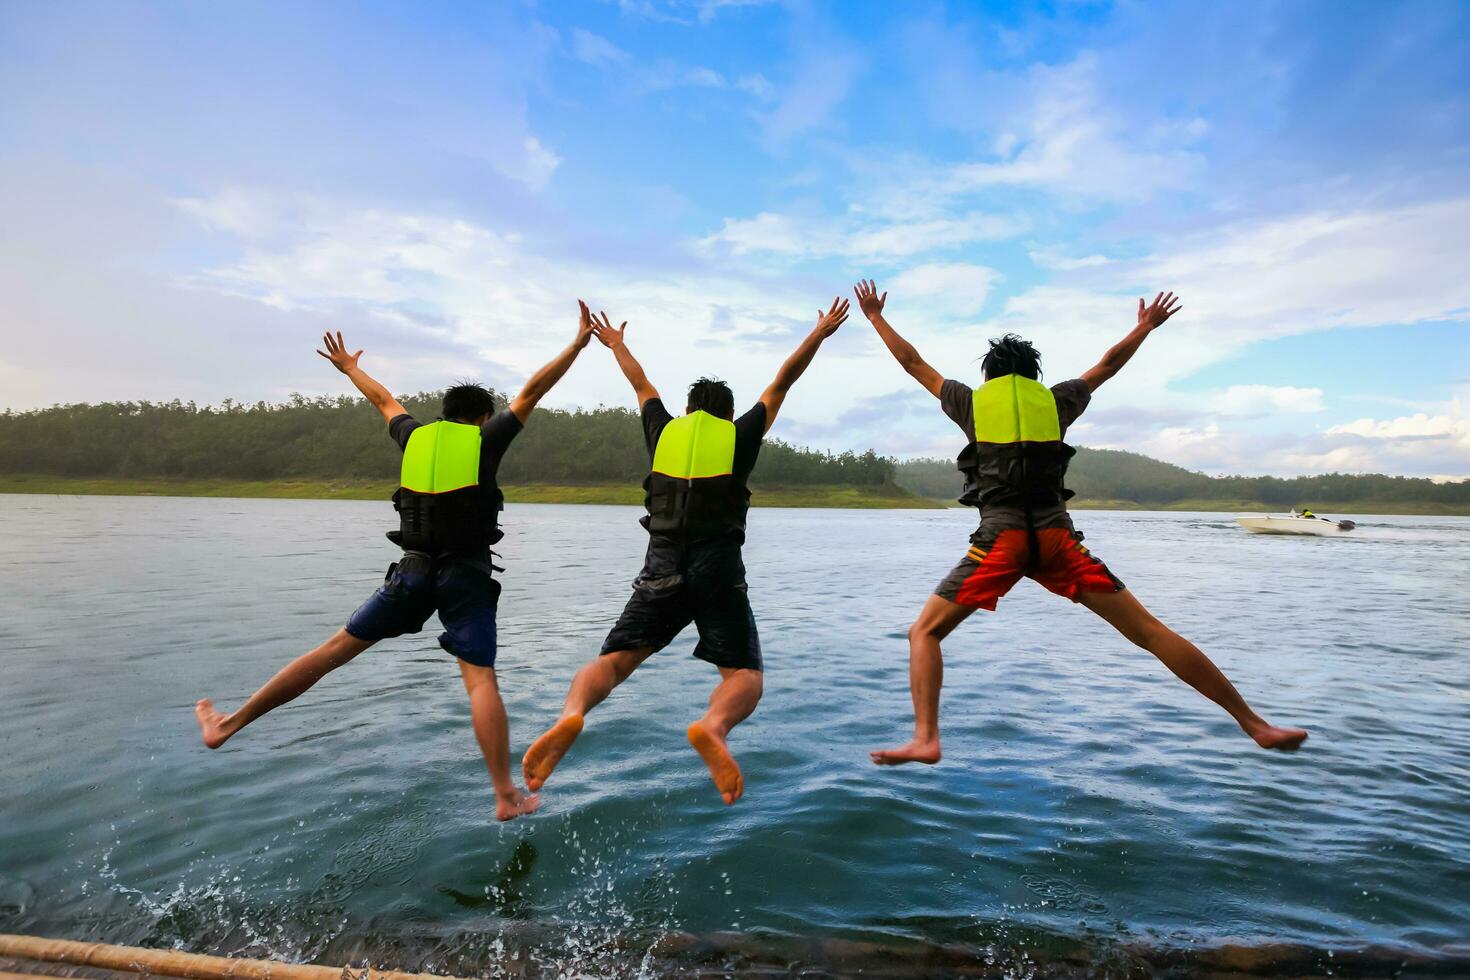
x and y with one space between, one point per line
852 497
1327 508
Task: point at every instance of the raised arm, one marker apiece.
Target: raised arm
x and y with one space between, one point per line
827 324
538 384
903 352
381 397
632 370
1150 318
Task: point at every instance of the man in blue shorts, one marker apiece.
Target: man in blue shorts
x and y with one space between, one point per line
693 572
448 505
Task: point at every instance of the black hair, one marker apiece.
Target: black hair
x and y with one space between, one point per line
1011 355
467 401
713 396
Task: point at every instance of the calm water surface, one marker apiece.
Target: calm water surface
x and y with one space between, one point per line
1090 809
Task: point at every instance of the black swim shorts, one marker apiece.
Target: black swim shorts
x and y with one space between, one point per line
705 585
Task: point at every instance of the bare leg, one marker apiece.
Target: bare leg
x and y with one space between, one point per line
731 702
936 621
1189 664
492 731
294 680
593 683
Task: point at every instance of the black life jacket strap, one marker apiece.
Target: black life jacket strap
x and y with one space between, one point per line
427 563
1033 540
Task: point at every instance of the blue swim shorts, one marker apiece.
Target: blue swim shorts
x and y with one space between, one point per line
462 592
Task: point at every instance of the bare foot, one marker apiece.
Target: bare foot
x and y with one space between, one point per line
518 804
1271 737
722 766
544 754
916 751
213 725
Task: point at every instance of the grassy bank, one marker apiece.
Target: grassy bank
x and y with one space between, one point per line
802 496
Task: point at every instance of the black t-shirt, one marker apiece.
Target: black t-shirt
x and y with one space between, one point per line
664 554
495 437
1072 397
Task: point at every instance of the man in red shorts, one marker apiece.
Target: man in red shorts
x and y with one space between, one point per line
1014 465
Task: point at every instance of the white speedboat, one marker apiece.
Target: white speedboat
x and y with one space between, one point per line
1293 524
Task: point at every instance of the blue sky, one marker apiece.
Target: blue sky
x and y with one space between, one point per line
193 192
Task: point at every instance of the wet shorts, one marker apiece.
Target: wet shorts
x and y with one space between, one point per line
463 594
709 591
1065 567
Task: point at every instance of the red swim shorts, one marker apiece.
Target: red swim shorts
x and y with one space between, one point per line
1065 567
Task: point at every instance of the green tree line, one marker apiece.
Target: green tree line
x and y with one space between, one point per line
344 438
1110 474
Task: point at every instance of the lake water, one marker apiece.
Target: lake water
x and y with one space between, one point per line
1092 815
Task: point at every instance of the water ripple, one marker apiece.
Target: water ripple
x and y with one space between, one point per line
1091 814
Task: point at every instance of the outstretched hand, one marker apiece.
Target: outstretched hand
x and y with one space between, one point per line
868 299
584 326
1164 306
604 331
336 352
827 323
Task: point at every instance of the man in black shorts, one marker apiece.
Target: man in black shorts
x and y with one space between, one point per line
696 499
449 506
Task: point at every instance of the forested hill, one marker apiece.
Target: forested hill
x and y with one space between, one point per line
1110 476
342 439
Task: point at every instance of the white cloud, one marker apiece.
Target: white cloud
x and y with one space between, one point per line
541 163
677 11
709 9
1432 445
1340 459
1317 270
1427 445
1249 281
947 289
1050 128
77 277
661 75
1267 400
594 49
427 281
237 212
1420 426
435 296
1242 282
1069 142
1183 444
1054 258
1443 438
823 78
855 235
706 77
756 84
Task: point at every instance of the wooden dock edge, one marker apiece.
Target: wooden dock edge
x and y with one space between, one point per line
173 963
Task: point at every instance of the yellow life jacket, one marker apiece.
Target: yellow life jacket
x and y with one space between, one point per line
441 506
692 493
1016 455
